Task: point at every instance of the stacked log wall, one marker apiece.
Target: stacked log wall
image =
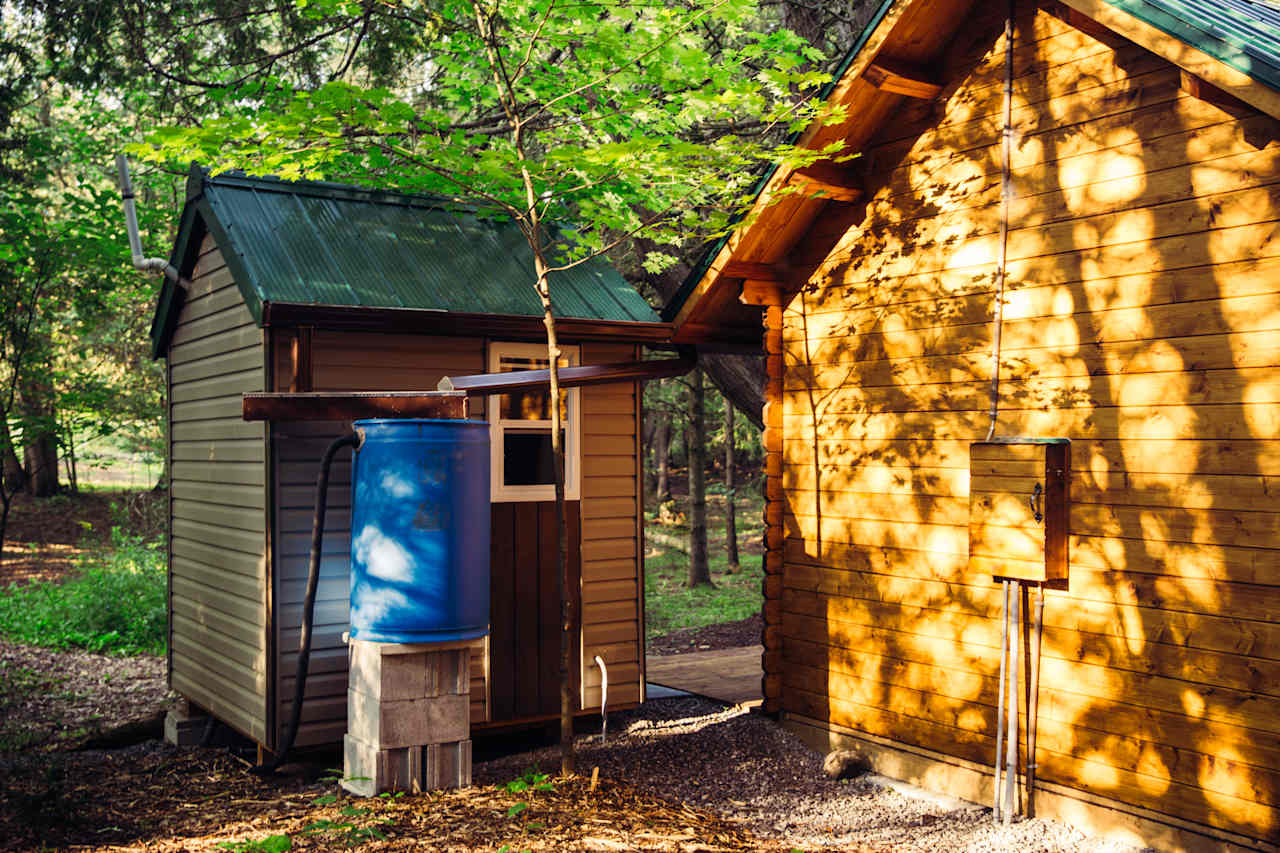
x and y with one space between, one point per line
1142 321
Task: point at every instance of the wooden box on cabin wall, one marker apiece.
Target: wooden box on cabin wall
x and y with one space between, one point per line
1018 504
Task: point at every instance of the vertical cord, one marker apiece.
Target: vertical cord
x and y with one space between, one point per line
1006 191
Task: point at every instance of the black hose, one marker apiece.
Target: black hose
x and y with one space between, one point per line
353 440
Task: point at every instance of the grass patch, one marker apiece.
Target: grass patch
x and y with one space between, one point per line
669 604
115 603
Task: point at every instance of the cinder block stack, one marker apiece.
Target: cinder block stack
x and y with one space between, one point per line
408 718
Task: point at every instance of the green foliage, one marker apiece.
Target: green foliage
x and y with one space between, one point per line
354 827
270 844
532 780
530 783
671 605
622 118
115 605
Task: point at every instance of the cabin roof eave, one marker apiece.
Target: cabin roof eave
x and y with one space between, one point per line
696 309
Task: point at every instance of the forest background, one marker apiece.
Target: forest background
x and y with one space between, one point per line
81 80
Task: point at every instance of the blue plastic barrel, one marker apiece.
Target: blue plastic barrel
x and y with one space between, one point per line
420 531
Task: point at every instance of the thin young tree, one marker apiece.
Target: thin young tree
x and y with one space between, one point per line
586 124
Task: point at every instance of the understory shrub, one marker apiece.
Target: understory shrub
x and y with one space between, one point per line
114 604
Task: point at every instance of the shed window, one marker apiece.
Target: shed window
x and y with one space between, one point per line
520 429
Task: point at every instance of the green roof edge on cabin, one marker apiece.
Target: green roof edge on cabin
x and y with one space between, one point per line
1243 34
334 245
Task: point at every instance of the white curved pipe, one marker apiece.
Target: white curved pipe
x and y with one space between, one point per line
604 696
145 264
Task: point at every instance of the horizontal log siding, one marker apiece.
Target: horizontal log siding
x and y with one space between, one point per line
611 619
341 361
217 561
1142 322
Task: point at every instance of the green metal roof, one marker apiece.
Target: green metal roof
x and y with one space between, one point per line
1244 34
320 243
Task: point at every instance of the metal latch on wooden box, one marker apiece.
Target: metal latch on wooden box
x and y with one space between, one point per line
1018 506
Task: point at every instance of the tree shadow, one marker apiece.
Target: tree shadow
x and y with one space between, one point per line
1137 318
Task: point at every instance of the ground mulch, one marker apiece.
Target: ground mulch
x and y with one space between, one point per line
52 700
158 798
728 635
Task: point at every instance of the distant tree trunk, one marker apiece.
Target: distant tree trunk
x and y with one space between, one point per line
730 512
40 453
15 476
662 449
699 571
69 459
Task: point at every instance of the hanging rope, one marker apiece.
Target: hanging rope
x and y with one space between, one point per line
1006 193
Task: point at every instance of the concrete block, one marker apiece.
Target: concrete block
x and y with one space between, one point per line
449 672
447 765
369 771
402 676
184 726
394 672
408 722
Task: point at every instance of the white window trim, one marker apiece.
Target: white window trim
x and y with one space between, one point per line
499 492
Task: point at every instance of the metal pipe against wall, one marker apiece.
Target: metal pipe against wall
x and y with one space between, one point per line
1004 656
604 697
1033 700
145 264
1011 738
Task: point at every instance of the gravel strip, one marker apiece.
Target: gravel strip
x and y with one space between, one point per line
745 767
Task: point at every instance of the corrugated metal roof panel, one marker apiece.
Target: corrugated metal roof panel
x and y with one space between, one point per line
1244 34
329 244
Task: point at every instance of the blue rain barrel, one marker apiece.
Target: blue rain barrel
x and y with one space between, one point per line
420 531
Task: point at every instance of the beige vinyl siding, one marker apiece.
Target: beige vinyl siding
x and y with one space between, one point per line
341 361
1142 322
611 617
217 558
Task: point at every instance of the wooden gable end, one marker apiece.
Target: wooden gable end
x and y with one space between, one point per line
1142 321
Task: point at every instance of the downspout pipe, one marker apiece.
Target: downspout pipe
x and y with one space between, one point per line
145 264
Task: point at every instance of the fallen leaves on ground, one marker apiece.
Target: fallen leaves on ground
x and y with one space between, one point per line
157 798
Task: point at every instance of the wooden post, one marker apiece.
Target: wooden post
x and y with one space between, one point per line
769 295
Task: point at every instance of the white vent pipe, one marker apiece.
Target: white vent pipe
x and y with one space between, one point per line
159 265
604 697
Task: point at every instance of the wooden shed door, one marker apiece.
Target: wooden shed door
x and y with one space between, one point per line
524 603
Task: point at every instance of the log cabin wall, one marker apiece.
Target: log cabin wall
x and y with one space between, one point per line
352 361
1142 321
218 535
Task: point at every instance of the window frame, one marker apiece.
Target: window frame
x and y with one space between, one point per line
499 491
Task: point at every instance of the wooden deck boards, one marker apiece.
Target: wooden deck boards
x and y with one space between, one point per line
727 675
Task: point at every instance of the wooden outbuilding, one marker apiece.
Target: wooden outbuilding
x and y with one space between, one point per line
317 287
1122 258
